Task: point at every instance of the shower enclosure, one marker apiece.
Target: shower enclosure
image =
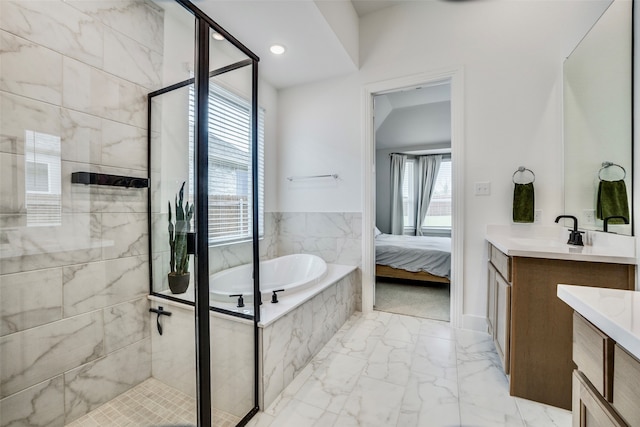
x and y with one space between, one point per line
204 153
106 109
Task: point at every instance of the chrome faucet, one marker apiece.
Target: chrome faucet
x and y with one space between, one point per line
606 221
575 236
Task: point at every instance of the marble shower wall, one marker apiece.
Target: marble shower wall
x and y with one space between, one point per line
74 323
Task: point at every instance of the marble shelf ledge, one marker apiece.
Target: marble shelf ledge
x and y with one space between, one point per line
615 312
550 242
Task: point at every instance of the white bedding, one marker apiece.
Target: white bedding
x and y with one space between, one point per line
415 253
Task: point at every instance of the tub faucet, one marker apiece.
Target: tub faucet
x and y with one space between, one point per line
607 219
240 299
575 236
274 297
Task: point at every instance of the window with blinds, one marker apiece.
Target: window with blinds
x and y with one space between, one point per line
43 182
230 173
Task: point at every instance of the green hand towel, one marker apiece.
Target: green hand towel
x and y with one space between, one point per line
523 203
612 201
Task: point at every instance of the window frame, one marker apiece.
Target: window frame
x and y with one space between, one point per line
413 184
440 230
232 97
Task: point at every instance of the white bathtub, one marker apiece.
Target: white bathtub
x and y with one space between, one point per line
291 273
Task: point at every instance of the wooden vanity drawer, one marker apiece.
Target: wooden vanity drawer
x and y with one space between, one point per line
593 353
626 390
501 262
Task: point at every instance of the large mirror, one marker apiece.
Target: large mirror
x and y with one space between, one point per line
598 124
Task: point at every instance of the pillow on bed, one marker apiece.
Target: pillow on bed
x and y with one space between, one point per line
377 232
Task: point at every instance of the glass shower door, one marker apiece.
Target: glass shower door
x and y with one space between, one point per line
202 156
230 229
171 215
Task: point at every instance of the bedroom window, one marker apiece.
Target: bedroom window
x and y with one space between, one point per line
439 212
408 196
438 218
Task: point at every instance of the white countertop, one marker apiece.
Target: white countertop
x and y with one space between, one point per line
615 312
550 242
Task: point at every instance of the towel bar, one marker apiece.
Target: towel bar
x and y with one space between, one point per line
295 178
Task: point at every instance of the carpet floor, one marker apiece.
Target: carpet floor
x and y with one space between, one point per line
426 300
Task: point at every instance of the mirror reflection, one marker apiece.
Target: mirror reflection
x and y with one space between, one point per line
597 124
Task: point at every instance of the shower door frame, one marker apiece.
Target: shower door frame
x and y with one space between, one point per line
201 257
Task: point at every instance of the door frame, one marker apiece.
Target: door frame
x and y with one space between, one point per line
455 76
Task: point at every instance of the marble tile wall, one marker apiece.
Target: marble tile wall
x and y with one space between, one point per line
74 323
289 344
336 237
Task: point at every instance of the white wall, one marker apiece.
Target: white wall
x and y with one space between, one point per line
318 134
512 54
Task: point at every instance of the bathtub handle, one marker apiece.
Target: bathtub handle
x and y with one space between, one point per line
240 299
274 297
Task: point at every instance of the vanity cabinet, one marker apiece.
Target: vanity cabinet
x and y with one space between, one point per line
589 408
499 303
605 381
532 328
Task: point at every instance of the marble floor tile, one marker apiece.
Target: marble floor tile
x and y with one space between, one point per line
372 403
430 400
331 384
383 369
539 415
366 376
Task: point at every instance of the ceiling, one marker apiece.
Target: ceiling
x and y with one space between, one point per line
364 7
319 34
413 117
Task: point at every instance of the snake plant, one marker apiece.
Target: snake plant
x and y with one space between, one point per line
179 261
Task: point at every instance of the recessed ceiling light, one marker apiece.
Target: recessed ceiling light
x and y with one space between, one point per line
217 36
277 49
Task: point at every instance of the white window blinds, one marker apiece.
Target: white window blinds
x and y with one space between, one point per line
230 173
43 179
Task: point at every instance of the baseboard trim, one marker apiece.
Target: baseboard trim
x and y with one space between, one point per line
474 323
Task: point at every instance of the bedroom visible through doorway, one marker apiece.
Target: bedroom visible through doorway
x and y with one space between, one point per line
413 162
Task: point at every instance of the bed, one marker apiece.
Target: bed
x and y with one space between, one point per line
423 258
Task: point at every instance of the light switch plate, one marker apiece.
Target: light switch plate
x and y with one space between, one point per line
589 216
482 188
537 216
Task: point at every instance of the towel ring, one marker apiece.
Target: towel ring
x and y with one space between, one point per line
522 169
605 165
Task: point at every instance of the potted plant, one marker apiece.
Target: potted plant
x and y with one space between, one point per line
179 262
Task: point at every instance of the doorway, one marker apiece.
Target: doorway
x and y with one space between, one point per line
448 82
413 201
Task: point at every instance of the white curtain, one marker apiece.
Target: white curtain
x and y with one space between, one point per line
428 167
397 176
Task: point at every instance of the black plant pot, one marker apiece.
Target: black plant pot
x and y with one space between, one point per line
178 283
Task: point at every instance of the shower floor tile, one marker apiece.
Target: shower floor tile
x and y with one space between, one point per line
150 404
